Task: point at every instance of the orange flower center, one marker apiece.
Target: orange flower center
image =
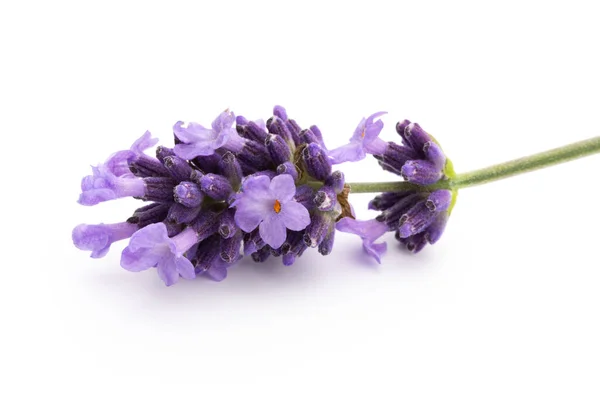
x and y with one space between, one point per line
277 206
362 135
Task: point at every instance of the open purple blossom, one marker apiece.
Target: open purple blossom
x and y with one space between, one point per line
99 237
152 247
369 231
196 140
270 206
365 140
118 163
114 179
103 185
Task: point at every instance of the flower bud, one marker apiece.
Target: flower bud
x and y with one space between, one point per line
278 127
231 169
149 214
317 161
182 214
278 149
416 136
325 199
336 181
159 189
216 187
230 247
317 229
326 245
415 220
439 200
288 168
421 172
178 168
188 194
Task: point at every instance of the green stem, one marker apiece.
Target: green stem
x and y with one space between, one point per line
379 187
495 172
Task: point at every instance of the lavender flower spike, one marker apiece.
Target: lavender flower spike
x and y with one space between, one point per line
365 140
197 140
99 237
369 231
270 206
103 185
151 246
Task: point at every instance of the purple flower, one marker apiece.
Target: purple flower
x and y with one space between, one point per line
197 140
151 246
113 179
365 140
118 163
270 206
369 231
99 237
104 185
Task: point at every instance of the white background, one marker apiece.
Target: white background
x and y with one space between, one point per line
505 305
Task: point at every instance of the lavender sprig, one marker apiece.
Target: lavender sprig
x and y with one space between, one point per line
249 188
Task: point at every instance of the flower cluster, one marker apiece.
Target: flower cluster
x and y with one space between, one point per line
238 186
259 189
418 216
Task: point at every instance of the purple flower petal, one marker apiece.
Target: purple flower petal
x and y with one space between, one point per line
193 132
103 185
368 231
272 230
365 140
185 268
368 130
191 151
283 188
218 270
376 250
139 260
224 121
351 152
200 141
294 215
149 236
253 202
143 143
249 214
118 163
167 271
98 238
152 246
